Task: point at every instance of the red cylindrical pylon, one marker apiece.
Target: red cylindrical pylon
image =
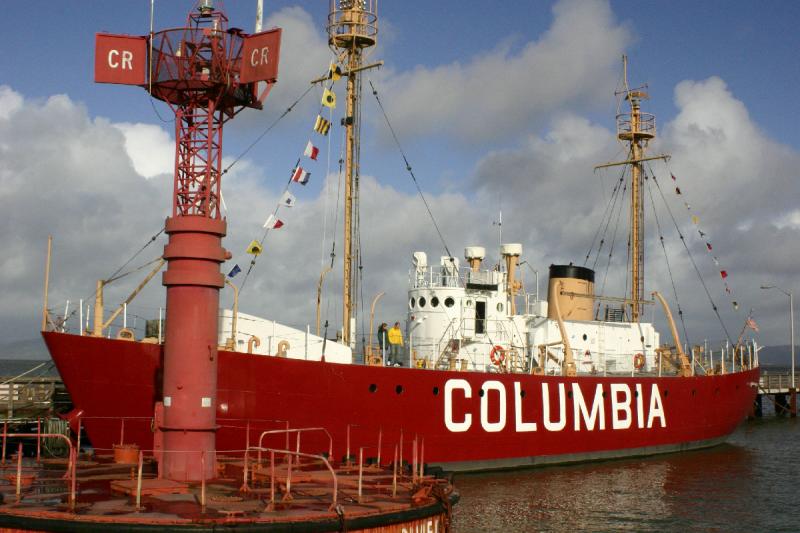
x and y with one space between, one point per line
199 71
193 280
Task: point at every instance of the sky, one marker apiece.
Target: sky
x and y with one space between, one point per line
497 109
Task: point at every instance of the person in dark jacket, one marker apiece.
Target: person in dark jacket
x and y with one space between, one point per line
383 340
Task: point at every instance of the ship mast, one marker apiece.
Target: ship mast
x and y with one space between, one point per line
352 28
636 129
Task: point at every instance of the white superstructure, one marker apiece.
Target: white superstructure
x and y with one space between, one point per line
458 316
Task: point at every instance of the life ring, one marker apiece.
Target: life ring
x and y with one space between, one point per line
638 361
498 355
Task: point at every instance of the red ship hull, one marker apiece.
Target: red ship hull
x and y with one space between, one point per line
468 420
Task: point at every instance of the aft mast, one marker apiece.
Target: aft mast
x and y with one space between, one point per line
636 129
352 28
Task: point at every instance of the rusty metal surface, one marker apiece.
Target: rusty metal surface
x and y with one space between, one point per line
107 494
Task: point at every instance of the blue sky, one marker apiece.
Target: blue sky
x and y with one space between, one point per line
497 107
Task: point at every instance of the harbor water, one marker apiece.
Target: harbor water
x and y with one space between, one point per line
748 484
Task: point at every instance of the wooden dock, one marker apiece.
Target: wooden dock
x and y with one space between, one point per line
776 387
31 397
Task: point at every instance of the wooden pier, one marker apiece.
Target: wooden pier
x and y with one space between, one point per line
777 388
23 397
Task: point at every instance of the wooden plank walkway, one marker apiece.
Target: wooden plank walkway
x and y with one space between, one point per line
29 397
777 382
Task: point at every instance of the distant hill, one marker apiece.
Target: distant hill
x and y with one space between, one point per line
29 349
778 356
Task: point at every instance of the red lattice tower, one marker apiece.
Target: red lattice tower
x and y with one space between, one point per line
207 73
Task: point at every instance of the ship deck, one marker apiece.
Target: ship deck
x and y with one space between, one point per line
255 494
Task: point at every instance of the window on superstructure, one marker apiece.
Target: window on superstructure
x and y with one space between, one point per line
422 301
435 302
449 302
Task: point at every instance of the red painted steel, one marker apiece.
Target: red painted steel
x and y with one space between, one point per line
312 393
120 59
196 71
259 56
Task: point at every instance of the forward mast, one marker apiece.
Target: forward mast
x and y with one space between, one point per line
352 30
636 129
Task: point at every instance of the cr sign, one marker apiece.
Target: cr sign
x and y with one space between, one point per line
260 55
120 59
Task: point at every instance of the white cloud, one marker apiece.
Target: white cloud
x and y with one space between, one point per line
742 184
151 149
500 93
10 102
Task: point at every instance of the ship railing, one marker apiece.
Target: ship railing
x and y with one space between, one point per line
290 454
436 276
298 432
23 475
646 123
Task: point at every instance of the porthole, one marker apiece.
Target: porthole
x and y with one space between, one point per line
421 302
636 394
399 389
585 337
500 307
569 394
522 394
449 302
481 393
373 388
411 303
434 302
436 391
469 303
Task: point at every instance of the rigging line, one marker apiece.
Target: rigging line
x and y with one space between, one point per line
266 230
600 230
620 193
325 201
666 260
268 129
694 264
109 280
137 269
408 167
613 243
148 243
338 200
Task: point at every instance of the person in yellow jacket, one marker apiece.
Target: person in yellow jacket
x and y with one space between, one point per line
395 345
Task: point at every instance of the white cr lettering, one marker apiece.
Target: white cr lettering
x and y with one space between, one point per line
449 386
122 60
259 56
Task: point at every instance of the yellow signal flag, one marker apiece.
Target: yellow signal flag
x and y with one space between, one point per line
334 72
695 220
255 248
322 125
329 99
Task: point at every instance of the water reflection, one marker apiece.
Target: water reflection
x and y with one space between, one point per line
727 488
